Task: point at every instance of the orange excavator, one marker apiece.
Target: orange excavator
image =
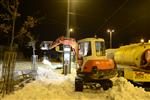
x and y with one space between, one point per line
93 65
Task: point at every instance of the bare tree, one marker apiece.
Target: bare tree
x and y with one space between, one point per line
9 18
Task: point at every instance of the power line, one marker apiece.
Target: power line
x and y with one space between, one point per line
113 14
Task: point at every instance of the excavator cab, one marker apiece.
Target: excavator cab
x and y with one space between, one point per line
91 48
91 52
94 67
88 48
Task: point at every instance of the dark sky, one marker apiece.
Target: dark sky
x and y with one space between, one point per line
129 18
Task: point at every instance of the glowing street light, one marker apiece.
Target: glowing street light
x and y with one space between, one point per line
71 30
110 31
142 40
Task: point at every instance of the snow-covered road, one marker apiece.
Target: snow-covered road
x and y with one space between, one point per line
52 85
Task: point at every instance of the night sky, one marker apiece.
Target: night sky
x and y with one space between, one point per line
129 18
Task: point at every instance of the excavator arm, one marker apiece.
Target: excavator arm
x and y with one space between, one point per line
65 41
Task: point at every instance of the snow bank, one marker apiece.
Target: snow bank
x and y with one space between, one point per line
64 90
48 75
123 90
52 85
53 66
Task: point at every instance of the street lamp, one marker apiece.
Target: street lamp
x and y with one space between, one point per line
110 31
71 30
142 40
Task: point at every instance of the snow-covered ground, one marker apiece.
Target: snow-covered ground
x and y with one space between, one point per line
52 85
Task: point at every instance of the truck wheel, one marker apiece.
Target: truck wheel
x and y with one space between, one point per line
78 84
106 84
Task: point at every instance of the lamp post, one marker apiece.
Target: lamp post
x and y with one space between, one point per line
68 20
110 31
67 48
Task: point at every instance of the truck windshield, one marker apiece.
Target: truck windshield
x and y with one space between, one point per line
100 48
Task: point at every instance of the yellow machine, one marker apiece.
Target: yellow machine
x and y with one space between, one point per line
94 67
133 62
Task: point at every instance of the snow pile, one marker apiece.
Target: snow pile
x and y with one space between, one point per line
123 90
53 66
48 75
52 85
47 62
64 90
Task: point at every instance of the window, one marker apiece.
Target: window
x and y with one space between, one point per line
100 48
84 49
